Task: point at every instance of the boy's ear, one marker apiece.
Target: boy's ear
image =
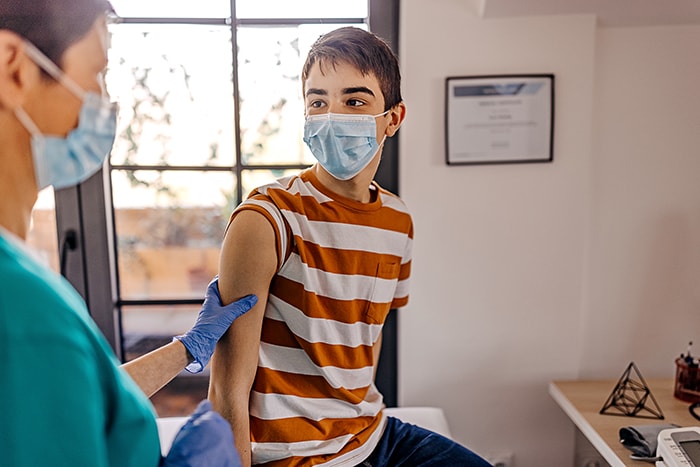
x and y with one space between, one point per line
15 73
397 114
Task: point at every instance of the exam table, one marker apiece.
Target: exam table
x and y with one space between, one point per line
431 418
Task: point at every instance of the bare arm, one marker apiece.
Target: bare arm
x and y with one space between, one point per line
247 263
156 369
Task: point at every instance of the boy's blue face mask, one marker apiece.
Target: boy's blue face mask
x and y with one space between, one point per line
64 162
343 144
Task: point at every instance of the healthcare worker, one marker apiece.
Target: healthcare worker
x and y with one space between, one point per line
64 400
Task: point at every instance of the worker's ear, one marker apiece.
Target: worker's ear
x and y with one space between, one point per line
17 71
397 114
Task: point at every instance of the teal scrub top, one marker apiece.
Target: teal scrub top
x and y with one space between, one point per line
64 401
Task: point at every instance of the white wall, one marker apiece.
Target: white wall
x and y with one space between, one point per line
644 274
525 273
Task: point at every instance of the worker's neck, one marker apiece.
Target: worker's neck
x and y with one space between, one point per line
14 219
18 190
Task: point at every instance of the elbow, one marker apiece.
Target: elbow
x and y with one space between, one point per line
229 391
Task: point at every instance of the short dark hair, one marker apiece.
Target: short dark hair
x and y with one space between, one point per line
365 51
51 25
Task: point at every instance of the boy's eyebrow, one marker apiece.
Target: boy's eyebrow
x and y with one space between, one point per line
352 90
316 91
357 89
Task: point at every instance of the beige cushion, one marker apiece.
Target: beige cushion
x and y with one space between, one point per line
430 418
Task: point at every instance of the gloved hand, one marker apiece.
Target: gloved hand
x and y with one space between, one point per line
204 440
213 321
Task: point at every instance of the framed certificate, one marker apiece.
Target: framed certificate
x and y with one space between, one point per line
499 119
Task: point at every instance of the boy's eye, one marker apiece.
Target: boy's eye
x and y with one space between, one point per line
316 104
355 102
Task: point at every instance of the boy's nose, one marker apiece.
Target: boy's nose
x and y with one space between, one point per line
335 108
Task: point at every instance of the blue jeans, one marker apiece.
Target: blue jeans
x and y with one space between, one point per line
408 445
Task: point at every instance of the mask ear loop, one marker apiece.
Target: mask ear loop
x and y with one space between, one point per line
28 123
381 115
52 69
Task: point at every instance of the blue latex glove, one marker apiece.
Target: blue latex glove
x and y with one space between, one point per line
204 440
213 321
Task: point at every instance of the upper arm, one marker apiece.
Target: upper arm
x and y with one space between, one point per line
247 264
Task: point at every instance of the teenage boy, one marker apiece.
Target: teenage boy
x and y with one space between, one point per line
328 253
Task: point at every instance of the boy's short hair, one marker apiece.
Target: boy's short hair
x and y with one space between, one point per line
365 51
51 25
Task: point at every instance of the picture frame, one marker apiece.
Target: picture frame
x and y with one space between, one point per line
499 119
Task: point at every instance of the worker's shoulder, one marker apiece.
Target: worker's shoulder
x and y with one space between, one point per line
33 290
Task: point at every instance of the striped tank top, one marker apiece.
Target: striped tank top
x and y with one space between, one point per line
342 266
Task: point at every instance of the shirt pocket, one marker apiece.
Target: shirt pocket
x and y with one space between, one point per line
382 293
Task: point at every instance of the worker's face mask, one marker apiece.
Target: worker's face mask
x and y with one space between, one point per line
343 144
66 161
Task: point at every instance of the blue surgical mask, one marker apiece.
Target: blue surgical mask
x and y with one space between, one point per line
343 144
67 161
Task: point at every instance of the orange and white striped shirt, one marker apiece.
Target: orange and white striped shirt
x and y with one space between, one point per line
342 266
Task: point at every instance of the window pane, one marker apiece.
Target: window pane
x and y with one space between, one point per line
272 108
175 91
146 328
173 8
42 237
169 228
301 9
181 396
251 179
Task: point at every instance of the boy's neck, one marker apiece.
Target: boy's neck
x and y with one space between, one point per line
357 188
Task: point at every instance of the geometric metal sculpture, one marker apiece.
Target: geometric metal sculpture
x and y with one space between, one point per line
632 397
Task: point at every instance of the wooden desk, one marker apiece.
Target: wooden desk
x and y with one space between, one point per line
582 401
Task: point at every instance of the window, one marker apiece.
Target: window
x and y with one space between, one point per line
210 108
